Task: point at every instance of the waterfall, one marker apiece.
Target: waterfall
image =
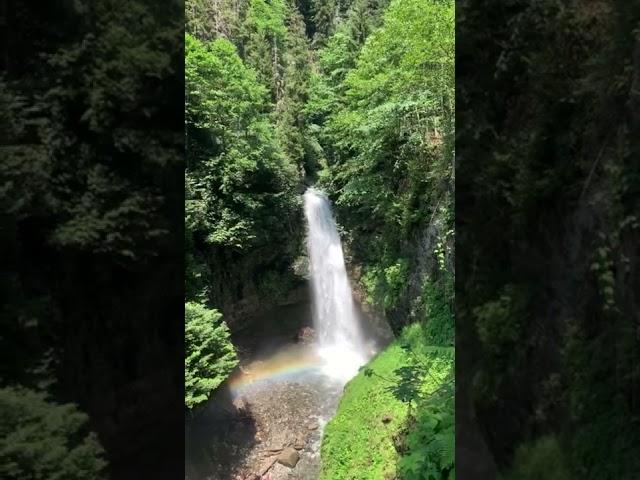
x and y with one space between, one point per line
340 339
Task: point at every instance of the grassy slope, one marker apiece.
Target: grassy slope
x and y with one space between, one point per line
357 444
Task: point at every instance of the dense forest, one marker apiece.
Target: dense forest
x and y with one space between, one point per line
91 145
547 336
356 98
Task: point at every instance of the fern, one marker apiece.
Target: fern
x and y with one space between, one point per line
431 446
429 443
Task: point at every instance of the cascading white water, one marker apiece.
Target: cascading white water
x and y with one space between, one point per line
340 340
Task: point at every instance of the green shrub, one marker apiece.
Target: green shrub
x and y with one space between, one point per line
427 384
42 440
499 321
386 282
541 459
395 277
370 282
430 442
210 356
438 315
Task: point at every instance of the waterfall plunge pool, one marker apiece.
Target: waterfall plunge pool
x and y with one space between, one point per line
284 392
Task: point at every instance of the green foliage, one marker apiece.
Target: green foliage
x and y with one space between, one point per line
239 186
91 190
439 321
114 211
246 65
543 458
387 156
409 384
275 285
606 441
543 307
357 443
268 18
381 111
324 14
386 285
374 123
431 441
264 34
214 77
93 164
498 321
395 278
604 269
40 439
426 382
209 354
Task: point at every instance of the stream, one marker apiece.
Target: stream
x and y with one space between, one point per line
267 420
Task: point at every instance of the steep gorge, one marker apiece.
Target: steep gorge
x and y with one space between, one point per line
356 98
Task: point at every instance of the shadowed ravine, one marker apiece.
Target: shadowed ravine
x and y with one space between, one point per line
288 384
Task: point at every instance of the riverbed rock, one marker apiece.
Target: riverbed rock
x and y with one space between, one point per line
240 404
279 413
306 335
300 442
267 465
289 457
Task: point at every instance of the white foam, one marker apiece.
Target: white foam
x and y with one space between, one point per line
340 362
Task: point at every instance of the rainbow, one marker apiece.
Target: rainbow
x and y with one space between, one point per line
282 366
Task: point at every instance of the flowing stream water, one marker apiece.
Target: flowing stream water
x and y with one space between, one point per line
287 390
